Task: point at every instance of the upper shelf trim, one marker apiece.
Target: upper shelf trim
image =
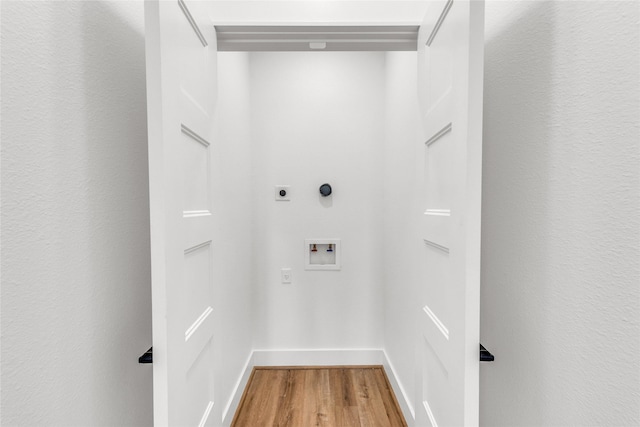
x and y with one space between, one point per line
297 37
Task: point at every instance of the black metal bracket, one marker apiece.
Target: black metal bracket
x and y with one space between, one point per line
147 357
485 356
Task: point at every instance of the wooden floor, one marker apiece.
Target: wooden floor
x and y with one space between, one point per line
318 396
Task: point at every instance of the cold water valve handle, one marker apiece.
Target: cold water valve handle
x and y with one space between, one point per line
325 190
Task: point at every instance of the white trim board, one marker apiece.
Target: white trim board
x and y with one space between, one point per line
401 395
336 37
236 395
319 357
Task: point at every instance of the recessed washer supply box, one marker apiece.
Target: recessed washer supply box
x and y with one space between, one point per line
322 254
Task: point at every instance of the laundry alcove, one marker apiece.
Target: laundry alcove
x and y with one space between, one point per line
306 96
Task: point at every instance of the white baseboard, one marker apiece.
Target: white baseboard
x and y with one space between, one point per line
236 395
399 391
318 357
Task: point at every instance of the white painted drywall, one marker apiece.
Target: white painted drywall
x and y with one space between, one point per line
560 220
316 118
232 273
76 295
561 217
403 276
318 11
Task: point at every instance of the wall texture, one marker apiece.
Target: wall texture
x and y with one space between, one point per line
318 117
76 295
561 217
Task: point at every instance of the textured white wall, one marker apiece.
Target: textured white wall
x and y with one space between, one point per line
561 230
560 219
76 305
232 273
402 275
318 117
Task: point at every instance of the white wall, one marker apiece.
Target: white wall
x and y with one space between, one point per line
561 214
318 11
318 117
560 217
232 273
76 295
402 275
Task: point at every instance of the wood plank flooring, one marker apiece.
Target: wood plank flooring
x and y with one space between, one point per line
335 396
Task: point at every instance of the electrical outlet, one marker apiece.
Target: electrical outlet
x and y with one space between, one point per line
285 274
